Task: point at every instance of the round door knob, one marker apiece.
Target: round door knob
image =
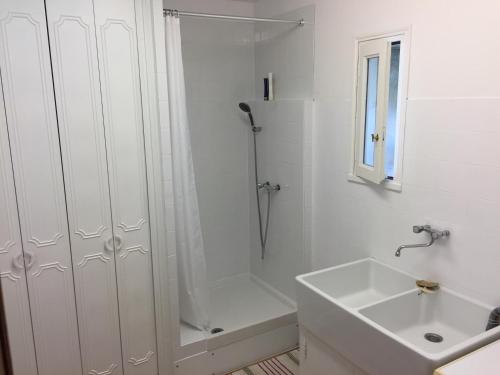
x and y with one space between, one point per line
18 262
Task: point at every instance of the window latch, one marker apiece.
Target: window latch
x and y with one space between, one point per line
375 137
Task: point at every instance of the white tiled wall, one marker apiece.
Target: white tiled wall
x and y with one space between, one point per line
287 51
218 59
452 159
282 146
236 7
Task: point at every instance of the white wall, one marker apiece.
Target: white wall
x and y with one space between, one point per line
283 147
287 51
218 61
235 7
452 159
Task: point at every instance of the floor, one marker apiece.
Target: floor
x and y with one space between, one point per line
285 364
238 302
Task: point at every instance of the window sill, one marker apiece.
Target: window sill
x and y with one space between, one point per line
387 184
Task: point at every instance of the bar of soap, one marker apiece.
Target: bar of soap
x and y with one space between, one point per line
427 284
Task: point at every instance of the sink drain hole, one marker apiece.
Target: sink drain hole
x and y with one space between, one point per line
216 330
433 337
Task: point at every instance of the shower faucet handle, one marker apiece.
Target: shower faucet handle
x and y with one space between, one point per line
268 186
263 185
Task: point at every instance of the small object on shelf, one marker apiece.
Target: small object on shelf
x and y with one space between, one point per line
270 82
266 89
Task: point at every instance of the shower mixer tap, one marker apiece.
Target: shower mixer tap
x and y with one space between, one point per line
268 186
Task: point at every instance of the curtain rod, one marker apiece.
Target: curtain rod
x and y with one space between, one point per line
175 12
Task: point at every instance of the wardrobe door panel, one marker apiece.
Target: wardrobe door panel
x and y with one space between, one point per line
118 61
12 275
76 82
32 126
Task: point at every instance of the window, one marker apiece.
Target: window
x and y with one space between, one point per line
378 120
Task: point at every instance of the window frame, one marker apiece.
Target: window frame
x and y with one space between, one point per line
367 175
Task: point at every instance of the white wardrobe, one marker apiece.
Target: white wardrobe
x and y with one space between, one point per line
75 252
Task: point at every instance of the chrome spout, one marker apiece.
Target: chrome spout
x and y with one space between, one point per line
428 244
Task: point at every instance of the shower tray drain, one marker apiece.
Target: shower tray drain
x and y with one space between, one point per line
433 337
213 331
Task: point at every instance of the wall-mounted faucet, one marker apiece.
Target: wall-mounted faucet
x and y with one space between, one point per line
434 234
268 186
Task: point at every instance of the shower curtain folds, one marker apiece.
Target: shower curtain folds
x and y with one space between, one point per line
192 273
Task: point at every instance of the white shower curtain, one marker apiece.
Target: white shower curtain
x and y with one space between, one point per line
192 274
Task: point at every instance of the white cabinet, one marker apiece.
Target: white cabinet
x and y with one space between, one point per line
12 275
32 126
318 358
121 97
108 213
79 107
74 126
100 118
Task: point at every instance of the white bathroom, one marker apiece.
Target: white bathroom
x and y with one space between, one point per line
234 187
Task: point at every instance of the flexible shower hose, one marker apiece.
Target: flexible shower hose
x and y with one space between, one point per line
263 231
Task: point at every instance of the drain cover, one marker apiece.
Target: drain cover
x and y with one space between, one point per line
433 337
216 330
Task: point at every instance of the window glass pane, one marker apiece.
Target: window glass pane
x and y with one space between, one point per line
392 111
371 111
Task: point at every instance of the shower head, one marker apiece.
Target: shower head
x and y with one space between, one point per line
246 108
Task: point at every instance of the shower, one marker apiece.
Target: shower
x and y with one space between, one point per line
231 281
246 108
267 186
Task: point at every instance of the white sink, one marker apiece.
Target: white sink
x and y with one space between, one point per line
451 316
373 315
359 283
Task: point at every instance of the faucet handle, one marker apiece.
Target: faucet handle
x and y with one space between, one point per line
418 228
422 228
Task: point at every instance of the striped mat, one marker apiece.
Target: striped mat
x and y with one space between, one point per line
284 364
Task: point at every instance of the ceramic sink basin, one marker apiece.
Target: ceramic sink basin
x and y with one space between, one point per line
373 315
359 283
444 315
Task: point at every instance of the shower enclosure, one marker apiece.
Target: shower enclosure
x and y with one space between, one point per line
251 171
